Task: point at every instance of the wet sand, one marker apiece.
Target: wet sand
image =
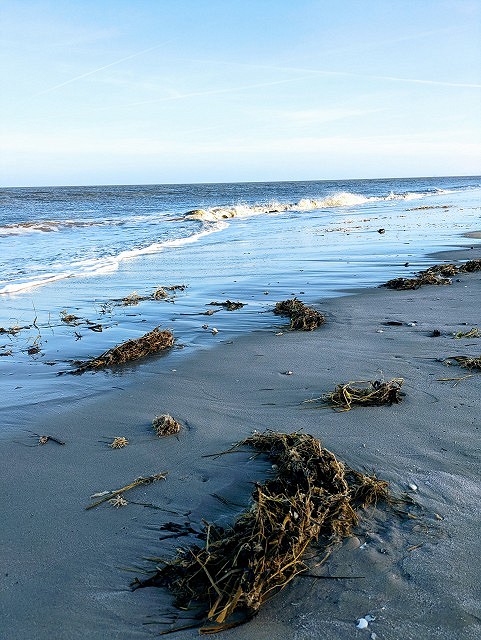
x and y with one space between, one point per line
66 571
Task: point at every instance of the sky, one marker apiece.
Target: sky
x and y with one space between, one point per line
182 91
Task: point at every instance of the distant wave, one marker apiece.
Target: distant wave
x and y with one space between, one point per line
50 226
341 199
102 265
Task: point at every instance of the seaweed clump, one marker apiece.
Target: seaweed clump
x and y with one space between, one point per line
313 497
437 274
375 393
151 342
228 305
303 318
165 425
468 362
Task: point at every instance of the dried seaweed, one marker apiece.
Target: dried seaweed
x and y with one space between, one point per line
470 266
313 497
119 442
372 394
228 305
165 425
422 279
160 293
153 342
302 317
468 362
472 333
438 274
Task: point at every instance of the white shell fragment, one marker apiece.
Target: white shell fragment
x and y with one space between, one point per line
214 331
413 486
362 623
100 494
369 618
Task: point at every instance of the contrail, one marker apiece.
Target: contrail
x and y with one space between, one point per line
89 73
212 92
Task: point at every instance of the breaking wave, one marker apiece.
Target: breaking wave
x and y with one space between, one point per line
341 199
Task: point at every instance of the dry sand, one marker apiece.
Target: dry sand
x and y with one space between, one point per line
66 571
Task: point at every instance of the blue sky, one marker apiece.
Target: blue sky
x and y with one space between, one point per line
165 91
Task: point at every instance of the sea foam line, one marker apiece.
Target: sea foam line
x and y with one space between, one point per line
101 266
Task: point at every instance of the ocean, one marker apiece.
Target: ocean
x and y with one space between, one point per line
100 252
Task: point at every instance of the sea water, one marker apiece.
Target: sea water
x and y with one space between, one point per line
91 252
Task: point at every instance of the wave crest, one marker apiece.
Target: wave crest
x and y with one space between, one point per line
340 199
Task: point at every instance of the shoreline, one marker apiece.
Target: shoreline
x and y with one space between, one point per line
63 571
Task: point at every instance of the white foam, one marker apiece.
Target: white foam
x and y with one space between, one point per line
340 199
109 264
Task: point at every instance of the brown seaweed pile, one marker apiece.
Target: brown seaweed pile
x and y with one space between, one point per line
303 318
313 495
165 425
153 342
437 274
362 393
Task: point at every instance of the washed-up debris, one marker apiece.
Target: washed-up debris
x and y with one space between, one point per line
160 293
363 393
302 317
68 318
153 342
472 333
438 274
119 443
214 331
228 305
165 425
311 495
44 439
436 333
468 362
110 495
118 501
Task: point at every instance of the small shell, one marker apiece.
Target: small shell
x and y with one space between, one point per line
413 486
362 623
214 331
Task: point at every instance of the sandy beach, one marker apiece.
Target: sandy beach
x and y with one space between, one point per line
66 571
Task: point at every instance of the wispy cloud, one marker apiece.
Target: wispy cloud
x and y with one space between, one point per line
93 71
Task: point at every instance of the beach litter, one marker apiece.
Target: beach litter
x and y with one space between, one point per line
165 425
303 318
111 495
312 496
362 393
152 342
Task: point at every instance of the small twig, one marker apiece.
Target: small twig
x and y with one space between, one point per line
135 483
311 575
470 375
